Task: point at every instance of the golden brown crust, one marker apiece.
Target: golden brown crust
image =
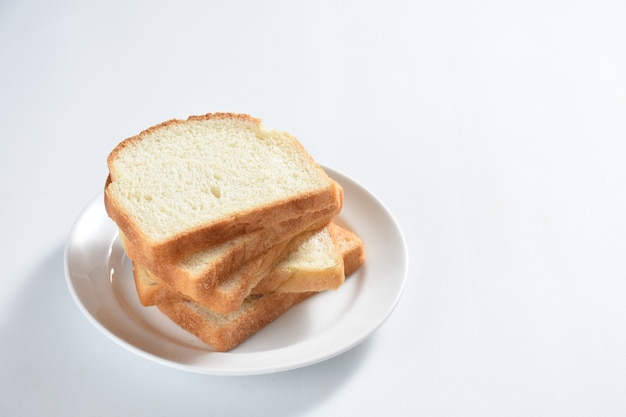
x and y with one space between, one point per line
351 247
224 335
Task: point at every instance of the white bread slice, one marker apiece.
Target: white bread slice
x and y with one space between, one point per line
200 272
312 262
184 185
226 331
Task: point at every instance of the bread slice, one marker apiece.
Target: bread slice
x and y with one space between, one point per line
312 262
225 298
184 185
226 331
313 266
200 272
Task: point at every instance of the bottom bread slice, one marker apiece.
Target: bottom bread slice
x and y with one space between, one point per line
226 331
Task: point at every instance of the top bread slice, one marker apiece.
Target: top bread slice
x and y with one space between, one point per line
184 185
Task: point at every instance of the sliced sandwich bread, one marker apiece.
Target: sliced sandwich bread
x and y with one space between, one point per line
184 185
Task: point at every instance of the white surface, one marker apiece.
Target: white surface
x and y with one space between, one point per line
100 279
495 132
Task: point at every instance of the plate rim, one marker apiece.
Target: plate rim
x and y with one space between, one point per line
366 332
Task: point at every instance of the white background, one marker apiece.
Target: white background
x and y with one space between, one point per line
494 131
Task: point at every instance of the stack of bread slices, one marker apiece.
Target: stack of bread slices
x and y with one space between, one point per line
228 225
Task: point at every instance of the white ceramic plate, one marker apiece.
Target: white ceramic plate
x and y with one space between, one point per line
99 277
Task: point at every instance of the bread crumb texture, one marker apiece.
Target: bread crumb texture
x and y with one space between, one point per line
182 174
